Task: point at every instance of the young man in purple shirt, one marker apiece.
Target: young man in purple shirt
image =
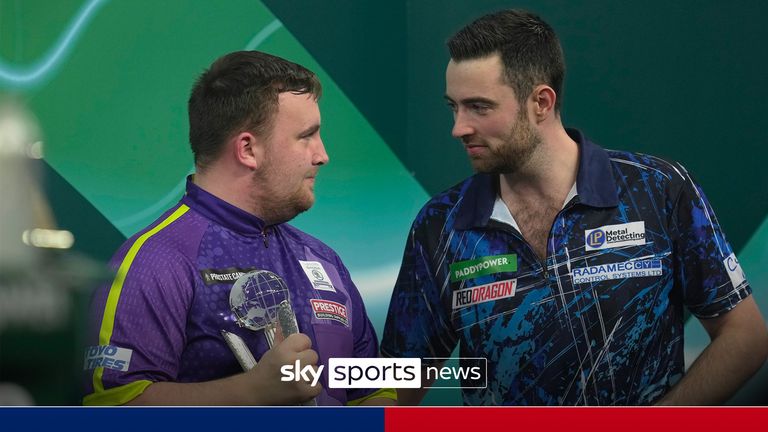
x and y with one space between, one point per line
155 334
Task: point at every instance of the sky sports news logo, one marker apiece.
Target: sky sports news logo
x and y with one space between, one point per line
393 373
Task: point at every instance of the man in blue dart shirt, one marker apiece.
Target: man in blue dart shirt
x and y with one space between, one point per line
565 265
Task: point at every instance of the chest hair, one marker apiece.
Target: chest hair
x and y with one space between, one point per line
535 221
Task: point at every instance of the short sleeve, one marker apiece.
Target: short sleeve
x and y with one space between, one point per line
706 267
138 325
417 322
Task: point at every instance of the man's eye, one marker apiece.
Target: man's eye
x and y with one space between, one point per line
451 107
479 108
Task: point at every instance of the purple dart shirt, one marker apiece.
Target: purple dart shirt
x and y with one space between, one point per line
162 316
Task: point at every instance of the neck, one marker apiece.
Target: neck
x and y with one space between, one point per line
229 184
549 174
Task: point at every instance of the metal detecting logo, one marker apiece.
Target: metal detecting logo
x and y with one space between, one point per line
611 236
596 238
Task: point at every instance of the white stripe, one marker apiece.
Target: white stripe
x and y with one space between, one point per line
639 165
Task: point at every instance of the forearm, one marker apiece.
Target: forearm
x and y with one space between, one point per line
735 353
261 385
232 390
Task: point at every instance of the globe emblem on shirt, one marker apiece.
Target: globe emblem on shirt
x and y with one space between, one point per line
596 238
318 276
255 299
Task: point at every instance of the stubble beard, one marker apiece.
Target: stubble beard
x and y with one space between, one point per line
517 149
276 205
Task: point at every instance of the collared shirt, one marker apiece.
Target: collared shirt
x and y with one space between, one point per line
600 321
162 316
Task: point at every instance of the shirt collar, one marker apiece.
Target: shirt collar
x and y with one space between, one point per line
502 214
221 212
596 186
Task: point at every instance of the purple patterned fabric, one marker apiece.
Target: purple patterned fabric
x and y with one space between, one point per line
175 298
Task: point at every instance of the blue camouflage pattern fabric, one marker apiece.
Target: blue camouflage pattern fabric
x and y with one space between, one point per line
597 323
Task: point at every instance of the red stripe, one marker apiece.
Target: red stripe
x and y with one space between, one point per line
592 419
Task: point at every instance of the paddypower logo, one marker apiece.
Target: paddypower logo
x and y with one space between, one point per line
609 236
483 266
391 373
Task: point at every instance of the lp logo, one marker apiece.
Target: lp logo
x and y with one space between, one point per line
596 238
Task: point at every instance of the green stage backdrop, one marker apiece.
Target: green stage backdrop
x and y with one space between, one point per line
109 80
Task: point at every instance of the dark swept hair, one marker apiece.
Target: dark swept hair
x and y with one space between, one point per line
529 49
239 92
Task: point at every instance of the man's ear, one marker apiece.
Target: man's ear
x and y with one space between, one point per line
543 98
249 150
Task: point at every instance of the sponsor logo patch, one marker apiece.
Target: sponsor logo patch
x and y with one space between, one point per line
483 293
483 266
609 236
734 270
223 276
621 270
317 275
107 356
326 309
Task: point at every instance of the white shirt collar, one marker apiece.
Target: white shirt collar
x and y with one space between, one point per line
502 214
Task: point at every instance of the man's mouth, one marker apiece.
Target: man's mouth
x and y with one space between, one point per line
474 149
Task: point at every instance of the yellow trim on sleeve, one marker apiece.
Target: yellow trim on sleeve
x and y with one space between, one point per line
118 395
108 320
387 393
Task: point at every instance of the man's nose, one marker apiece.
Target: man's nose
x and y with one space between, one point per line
321 156
461 127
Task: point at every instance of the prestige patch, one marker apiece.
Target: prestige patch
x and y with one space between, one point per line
483 293
317 275
622 270
107 356
609 236
326 309
483 266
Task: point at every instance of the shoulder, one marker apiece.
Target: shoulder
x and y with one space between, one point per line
172 236
631 163
301 238
649 175
442 207
316 250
